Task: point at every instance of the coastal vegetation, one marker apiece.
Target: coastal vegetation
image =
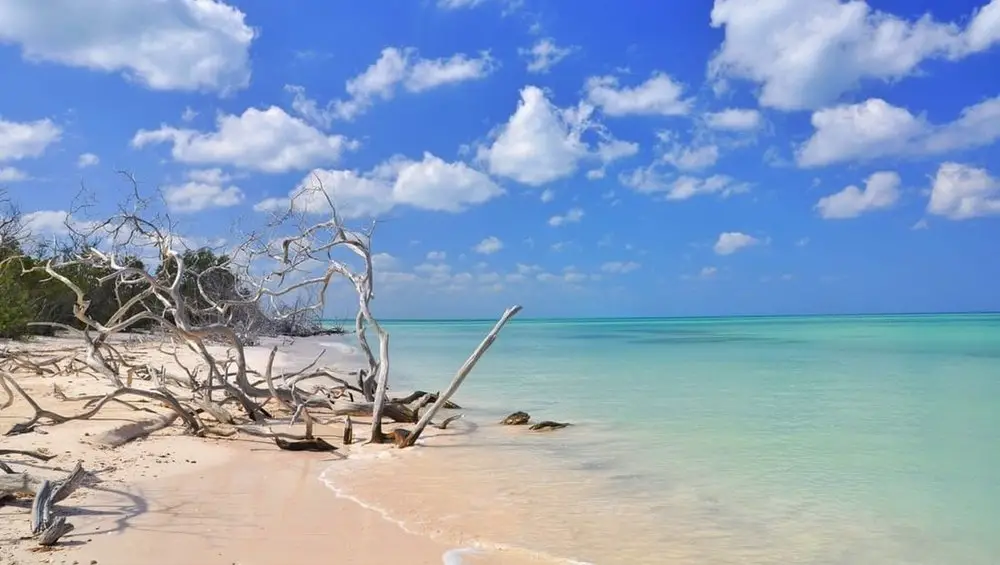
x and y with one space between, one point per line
126 286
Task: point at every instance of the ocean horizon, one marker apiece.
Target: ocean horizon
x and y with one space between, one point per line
853 439
521 318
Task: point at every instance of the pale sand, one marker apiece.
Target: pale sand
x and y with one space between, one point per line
171 498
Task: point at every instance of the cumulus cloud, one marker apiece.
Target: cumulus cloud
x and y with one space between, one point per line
203 190
731 242
574 215
488 246
48 222
545 54
734 119
650 180
659 95
436 255
881 191
12 174
428 184
22 140
805 54
395 68
267 140
541 143
87 160
163 45
874 128
962 192
548 195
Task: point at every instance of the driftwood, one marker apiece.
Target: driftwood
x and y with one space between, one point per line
46 526
348 432
33 454
311 444
120 435
444 424
516 419
419 394
391 410
463 372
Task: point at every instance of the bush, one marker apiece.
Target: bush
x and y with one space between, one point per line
16 305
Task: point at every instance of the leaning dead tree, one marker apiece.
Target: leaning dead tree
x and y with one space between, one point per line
204 327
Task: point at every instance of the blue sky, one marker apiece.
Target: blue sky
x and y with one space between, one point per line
582 159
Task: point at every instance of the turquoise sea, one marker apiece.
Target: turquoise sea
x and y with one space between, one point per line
822 440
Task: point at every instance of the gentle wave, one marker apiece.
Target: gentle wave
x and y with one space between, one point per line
450 557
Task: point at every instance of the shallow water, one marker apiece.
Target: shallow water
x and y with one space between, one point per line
853 440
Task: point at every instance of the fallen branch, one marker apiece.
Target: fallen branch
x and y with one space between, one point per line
444 425
311 444
456 382
125 433
45 525
40 413
33 454
417 395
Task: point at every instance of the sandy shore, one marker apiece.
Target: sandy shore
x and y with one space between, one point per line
172 498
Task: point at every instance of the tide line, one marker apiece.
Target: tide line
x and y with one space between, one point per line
452 556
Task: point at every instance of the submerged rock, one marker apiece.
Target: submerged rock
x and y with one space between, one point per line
548 425
516 419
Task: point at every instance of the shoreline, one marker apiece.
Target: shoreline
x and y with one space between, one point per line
210 500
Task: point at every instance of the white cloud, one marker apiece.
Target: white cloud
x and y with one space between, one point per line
545 54
426 74
12 174
204 190
881 191
875 128
708 272
731 242
436 255
548 195
805 54
693 158
384 262
573 216
395 68
432 184
47 222
164 45
620 267
649 180
734 119
188 114
489 246
21 140
265 140
658 95
539 143
610 150
920 224
428 184
87 160
961 192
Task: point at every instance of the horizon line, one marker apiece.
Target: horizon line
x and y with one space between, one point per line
693 317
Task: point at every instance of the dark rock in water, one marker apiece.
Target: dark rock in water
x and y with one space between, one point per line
548 425
516 419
